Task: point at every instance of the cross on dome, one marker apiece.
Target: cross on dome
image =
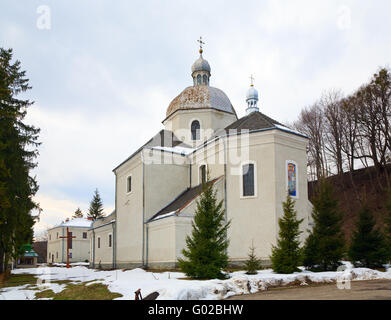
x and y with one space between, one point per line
252 80
201 43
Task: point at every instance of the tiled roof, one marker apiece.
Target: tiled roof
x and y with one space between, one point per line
201 97
181 201
253 121
164 138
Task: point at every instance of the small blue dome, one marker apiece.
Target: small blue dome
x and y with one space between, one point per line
200 65
252 93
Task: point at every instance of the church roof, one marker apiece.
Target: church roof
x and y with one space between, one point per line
164 138
201 97
254 121
180 202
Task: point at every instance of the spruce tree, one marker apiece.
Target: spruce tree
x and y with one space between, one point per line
252 263
286 256
95 210
325 246
206 247
78 213
18 149
368 246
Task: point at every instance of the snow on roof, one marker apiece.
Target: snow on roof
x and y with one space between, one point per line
288 129
77 222
177 149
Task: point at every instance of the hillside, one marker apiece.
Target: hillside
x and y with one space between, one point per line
352 190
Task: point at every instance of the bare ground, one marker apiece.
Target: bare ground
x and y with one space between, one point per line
360 290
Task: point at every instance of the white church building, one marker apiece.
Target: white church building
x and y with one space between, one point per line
252 161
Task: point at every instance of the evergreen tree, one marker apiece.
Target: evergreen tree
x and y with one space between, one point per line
286 256
325 246
368 243
18 143
95 210
206 247
252 263
78 214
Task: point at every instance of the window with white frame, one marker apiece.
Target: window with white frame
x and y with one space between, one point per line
248 180
129 184
84 235
110 240
98 242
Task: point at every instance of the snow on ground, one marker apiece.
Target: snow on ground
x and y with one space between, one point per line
172 286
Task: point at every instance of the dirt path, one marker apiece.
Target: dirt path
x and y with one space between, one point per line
360 290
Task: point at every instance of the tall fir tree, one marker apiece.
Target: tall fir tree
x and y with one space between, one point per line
368 246
286 256
252 264
18 150
78 213
95 210
206 247
325 246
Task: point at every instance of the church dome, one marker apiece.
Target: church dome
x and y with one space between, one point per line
252 94
201 97
200 65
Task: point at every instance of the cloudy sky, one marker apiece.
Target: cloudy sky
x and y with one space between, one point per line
103 72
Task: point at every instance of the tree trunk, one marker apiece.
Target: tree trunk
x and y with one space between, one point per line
2 261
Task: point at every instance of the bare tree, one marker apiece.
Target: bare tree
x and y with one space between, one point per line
330 103
311 123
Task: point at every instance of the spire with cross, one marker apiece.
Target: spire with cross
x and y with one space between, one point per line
201 43
252 80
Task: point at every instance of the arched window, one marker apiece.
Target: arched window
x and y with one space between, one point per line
205 79
199 79
195 130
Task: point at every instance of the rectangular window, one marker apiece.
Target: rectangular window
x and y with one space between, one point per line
84 235
248 180
203 174
98 242
50 237
129 184
56 255
70 240
57 235
70 255
110 240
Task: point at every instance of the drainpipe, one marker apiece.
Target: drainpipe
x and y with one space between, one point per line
225 181
146 249
93 248
143 222
62 253
190 172
115 226
112 243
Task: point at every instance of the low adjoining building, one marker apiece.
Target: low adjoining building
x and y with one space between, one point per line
79 247
102 235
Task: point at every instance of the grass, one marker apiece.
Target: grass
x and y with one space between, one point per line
16 280
95 291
